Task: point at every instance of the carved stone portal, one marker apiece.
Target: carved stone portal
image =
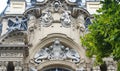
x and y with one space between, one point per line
56 52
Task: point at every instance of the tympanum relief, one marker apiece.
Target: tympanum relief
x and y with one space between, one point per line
56 51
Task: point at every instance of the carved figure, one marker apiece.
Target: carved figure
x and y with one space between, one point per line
81 24
46 19
17 25
65 19
42 54
57 52
70 53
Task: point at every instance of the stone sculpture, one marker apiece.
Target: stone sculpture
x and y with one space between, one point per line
17 24
56 52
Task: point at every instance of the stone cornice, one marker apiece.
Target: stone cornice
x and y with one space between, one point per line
13 45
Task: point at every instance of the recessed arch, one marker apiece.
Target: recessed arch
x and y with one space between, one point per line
64 40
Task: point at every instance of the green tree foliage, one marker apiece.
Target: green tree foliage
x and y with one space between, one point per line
103 39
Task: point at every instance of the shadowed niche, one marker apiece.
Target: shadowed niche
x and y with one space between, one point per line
103 67
10 66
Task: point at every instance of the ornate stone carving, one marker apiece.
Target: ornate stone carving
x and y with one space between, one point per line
71 53
80 21
57 52
17 25
3 66
46 19
11 54
65 19
32 23
57 5
18 66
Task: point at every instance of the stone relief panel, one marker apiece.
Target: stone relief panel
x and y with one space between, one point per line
11 54
57 51
18 24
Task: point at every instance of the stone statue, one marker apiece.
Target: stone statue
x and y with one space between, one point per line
56 51
70 53
42 54
46 19
17 24
81 23
65 19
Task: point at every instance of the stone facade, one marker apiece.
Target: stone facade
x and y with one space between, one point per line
45 36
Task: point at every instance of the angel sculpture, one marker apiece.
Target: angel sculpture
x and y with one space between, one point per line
17 25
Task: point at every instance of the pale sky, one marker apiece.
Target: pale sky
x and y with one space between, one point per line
3 4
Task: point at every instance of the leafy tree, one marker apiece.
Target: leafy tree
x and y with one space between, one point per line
103 38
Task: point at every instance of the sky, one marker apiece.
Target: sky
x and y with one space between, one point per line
3 4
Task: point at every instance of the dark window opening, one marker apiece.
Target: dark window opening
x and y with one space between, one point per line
103 67
10 66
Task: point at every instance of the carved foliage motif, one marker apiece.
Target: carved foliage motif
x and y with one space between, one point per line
57 52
